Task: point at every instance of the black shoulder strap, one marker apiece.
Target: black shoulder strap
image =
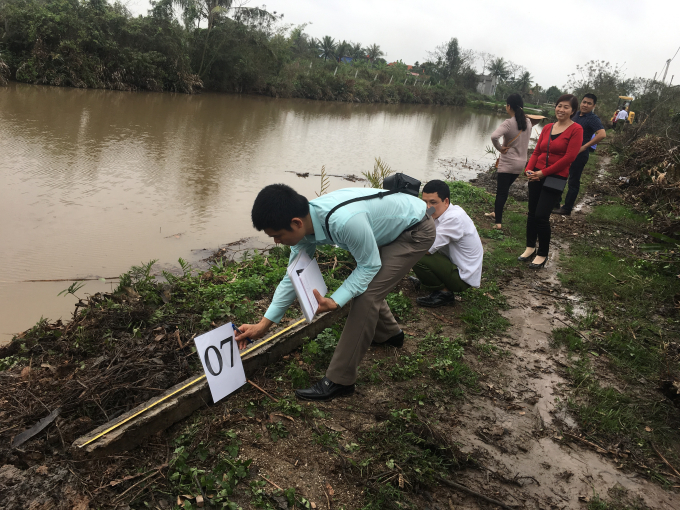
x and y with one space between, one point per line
358 199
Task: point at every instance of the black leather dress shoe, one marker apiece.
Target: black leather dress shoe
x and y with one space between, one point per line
395 341
437 298
324 390
415 282
562 211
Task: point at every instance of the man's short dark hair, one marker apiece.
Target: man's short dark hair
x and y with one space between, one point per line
275 207
590 96
438 187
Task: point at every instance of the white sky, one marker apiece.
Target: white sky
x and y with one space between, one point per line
548 38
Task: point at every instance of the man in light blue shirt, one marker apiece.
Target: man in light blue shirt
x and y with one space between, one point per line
386 236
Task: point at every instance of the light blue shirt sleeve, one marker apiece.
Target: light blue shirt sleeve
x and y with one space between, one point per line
285 292
360 240
359 228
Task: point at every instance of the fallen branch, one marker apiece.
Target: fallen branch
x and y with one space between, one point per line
156 472
200 488
268 480
597 447
664 459
572 328
443 319
256 386
459 487
551 295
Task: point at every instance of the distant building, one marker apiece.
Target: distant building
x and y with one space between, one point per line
408 67
486 84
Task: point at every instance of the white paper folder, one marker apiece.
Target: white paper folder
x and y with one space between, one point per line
306 276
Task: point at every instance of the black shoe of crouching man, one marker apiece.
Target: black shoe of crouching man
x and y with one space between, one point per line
415 282
325 390
437 298
394 341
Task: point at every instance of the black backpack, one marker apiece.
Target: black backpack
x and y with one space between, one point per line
397 183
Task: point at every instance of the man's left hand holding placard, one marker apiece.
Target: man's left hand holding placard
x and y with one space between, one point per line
221 361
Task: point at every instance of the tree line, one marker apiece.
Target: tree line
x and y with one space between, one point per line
189 45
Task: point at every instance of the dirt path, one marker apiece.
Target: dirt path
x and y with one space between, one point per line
516 428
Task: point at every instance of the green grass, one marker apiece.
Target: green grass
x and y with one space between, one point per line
629 320
568 338
481 314
616 214
468 196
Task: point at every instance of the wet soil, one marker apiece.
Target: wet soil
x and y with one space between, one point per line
527 448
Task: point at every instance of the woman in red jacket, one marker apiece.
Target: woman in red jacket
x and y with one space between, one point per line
547 170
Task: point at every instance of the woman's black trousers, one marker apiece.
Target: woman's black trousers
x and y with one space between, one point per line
541 202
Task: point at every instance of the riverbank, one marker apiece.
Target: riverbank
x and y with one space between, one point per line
521 391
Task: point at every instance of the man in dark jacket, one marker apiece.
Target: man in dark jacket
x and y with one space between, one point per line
593 133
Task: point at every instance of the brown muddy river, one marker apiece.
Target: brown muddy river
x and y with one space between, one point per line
96 181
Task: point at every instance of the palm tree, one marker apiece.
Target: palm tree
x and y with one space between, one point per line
342 50
327 47
498 67
357 52
374 52
524 82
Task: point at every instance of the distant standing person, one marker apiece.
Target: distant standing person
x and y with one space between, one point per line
516 132
593 133
547 170
621 119
613 119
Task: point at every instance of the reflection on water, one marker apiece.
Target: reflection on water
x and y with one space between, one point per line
94 181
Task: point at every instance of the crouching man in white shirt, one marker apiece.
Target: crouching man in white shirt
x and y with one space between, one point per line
454 262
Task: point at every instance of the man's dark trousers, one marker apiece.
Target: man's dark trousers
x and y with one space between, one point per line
575 171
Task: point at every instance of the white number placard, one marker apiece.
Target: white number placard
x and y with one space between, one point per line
221 361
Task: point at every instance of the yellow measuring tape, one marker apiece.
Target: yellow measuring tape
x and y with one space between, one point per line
187 385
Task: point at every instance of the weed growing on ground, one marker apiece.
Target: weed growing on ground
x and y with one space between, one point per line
225 473
400 305
12 361
481 312
401 445
277 431
438 357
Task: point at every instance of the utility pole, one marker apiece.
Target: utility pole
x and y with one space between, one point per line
668 63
